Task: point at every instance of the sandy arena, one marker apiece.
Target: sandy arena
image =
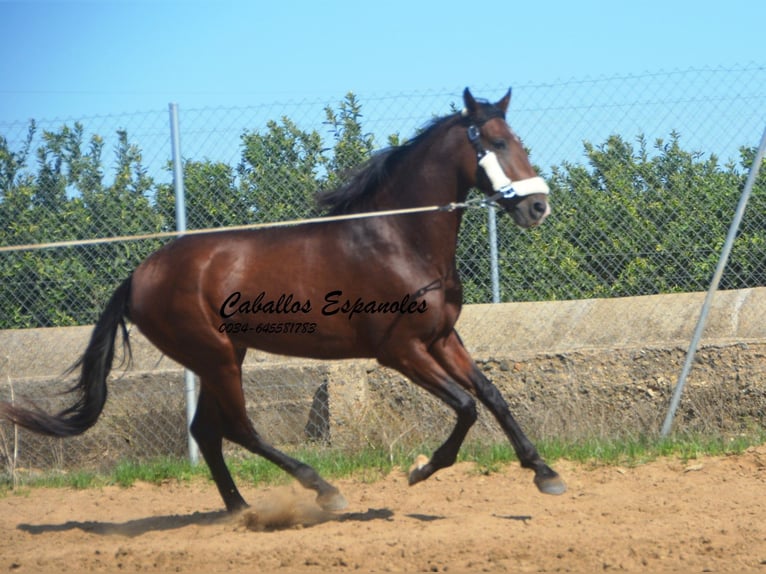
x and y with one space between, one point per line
703 515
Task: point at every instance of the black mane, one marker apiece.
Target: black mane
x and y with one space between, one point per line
369 176
365 180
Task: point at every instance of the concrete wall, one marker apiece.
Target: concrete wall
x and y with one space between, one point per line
605 364
525 329
517 330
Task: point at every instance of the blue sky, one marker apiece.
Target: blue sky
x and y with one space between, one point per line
70 59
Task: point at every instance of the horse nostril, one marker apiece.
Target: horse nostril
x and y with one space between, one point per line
539 208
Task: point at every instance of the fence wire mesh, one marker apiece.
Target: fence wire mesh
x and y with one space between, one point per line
645 172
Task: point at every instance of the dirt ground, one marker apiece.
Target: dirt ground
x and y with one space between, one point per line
703 515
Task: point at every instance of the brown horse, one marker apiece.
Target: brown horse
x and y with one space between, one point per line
385 287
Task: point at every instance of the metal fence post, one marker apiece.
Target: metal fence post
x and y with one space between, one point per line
190 381
493 257
722 260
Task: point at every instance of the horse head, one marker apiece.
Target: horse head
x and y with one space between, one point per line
502 168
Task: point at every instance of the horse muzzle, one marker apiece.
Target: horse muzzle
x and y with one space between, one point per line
530 210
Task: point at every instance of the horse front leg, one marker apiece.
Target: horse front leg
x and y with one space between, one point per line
546 479
420 367
446 455
456 360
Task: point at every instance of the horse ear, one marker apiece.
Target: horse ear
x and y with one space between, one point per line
469 102
505 101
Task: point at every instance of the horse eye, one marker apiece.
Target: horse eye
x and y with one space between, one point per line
499 144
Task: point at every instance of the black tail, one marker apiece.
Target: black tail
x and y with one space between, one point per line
95 364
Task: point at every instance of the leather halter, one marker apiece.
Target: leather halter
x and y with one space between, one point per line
502 185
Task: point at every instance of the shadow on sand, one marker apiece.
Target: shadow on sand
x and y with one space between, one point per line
264 519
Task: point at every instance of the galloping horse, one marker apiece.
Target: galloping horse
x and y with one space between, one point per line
385 287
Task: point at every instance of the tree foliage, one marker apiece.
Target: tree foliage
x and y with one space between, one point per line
632 219
635 221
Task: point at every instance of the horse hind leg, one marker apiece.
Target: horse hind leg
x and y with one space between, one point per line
207 430
328 497
237 427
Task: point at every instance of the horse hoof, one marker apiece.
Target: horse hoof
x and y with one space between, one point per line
236 506
332 501
417 470
550 483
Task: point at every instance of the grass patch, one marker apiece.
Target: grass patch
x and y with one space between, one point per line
155 472
640 450
366 465
372 464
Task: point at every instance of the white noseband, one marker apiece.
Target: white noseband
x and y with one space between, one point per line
503 186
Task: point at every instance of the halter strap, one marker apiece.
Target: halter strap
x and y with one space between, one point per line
502 185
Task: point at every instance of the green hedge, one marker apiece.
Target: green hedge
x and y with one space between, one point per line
631 219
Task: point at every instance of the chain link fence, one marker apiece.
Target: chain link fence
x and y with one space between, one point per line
645 172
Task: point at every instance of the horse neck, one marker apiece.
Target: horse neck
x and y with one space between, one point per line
427 180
